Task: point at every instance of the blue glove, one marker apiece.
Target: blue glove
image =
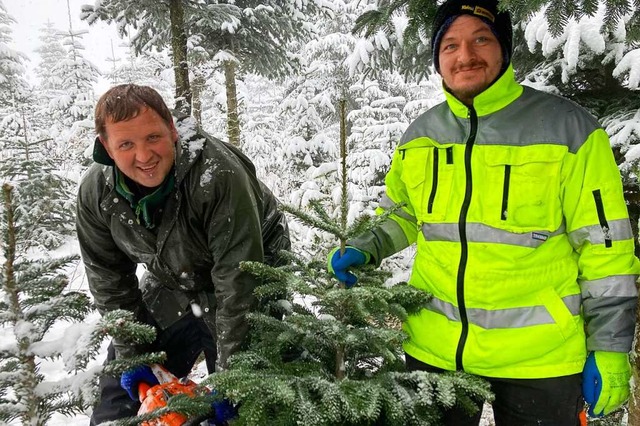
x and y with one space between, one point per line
338 265
130 380
605 381
223 411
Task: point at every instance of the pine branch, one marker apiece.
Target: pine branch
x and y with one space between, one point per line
314 222
118 366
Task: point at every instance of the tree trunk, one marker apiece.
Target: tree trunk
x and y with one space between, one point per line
634 398
197 87
233 123
180 66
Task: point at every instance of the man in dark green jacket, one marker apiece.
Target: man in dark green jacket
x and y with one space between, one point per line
187 207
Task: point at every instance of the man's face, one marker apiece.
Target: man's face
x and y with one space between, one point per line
470 57
142 147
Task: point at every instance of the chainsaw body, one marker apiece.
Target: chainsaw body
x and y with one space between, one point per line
157 396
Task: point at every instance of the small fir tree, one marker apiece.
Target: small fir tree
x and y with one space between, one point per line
336 356
45 200
12 65
35 303
34 299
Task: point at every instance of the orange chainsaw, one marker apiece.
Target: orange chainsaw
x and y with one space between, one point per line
157 396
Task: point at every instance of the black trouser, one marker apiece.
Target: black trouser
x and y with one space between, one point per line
183 342
555 401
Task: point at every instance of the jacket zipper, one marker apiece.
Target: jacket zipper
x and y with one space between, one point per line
464 245
434 182
505 191
602 218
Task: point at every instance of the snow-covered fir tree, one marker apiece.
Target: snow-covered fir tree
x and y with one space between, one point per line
74 104
165 26
51 52
49 81
241 45
312 94
45 194
310 114
263 140
33 299
12 66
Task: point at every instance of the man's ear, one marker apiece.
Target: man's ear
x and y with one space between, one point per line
174 132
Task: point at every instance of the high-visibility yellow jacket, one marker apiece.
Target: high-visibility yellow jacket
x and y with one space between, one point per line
522 234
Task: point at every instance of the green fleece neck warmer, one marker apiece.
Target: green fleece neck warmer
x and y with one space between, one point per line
142 204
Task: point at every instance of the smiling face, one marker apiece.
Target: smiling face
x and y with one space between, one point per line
470 58
142 147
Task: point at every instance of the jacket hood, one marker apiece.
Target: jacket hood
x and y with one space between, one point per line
100 154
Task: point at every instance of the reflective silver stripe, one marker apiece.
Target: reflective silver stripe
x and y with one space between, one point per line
505 318
619 230
614 286
480 233
386 203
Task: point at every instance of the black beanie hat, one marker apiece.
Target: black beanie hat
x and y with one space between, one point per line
487 10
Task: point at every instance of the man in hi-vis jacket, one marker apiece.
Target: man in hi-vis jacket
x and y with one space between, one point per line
515 203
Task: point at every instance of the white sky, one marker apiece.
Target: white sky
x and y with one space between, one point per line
31 15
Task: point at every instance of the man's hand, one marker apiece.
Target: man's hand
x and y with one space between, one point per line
130 380
605 381
223 411
338 265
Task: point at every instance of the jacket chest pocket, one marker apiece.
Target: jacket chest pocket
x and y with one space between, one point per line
427 173
524 188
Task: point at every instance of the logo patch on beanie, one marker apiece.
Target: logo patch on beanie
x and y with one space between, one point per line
480 11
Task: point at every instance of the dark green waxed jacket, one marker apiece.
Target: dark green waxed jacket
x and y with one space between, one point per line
218 214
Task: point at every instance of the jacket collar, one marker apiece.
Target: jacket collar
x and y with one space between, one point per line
497 96
144 205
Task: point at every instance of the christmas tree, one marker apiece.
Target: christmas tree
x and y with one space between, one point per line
335 357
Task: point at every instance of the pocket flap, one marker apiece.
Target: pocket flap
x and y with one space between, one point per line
516 156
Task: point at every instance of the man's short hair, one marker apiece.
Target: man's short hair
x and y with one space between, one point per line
126 101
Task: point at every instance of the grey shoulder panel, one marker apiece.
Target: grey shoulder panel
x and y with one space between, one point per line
439 124
532 119
538 118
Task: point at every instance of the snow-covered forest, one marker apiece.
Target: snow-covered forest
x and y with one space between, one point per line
276 98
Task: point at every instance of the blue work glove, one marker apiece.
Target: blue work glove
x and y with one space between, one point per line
223 411
130 380
338 265
605 381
